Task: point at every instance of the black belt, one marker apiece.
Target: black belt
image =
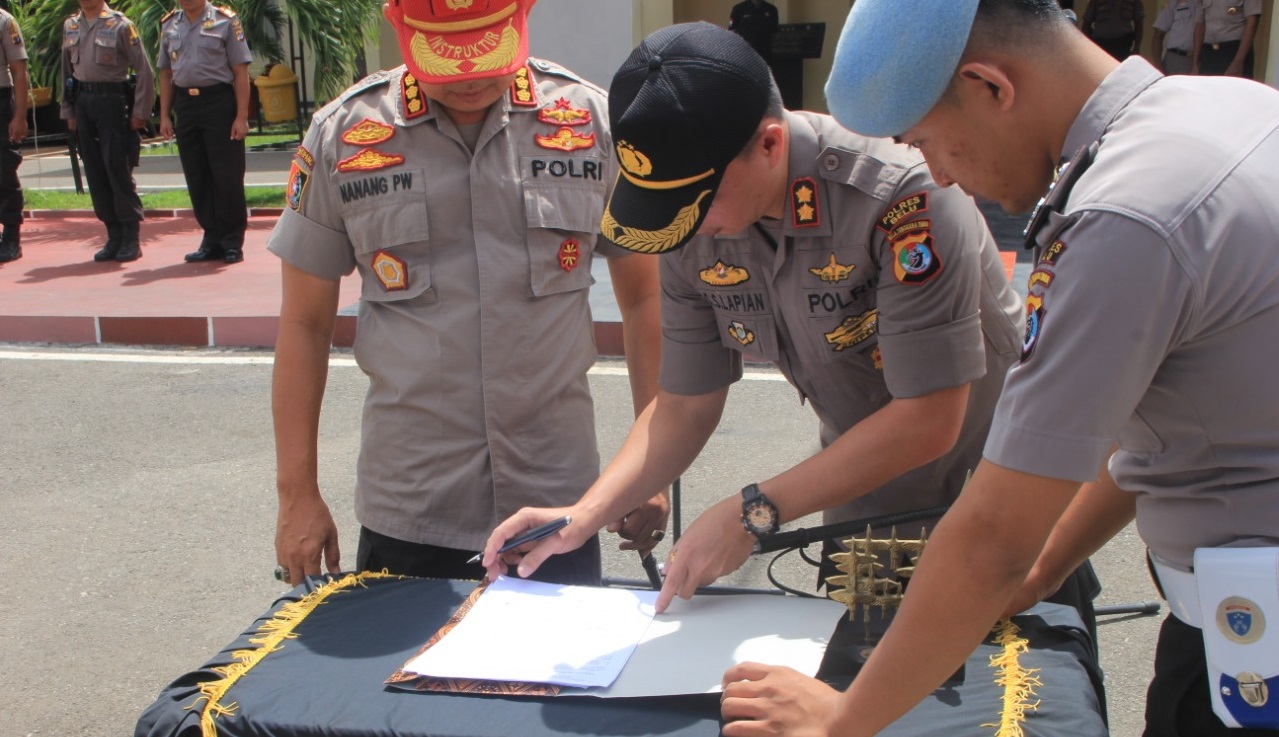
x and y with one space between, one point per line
1179 52
103 88
197 91
1221 45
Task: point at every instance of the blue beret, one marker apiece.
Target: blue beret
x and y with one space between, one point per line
894 61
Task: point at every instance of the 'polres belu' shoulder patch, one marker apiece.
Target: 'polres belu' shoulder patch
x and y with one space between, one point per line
902 209
915 259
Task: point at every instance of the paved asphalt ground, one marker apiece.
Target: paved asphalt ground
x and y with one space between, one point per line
137 511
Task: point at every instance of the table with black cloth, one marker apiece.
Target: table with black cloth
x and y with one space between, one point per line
316 664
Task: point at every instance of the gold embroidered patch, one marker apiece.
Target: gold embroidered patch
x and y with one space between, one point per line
564 114
632 161
370 159
740 333
565 139
304 155
368 133
391 271
804 205
903 209
723 275
833 272
439 58
414 99
854 330
1040 276
570 254
877 358
654 241
522 91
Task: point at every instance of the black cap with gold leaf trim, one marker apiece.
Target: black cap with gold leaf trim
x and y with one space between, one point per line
682 106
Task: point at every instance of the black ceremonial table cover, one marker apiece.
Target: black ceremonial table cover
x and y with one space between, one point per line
316 663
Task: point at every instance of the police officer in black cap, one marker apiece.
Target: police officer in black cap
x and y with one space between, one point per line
99 47
204 78
13 112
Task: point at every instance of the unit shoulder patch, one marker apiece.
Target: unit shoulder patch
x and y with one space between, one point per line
915 259
902 209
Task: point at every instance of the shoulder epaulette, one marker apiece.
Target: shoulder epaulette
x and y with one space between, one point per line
224 11
373 81
165 18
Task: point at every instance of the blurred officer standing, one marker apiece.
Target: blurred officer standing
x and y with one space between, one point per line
1175 29
204 64
1224 34
99 46
13 109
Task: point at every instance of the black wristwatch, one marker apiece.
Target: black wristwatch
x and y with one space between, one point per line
759 515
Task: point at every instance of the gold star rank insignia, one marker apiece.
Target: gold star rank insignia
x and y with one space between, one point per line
522 91
833 272
412 96
391 271
804 205
723 275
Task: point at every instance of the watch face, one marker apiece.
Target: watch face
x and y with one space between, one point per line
761 518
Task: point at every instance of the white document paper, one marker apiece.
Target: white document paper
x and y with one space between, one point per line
536 632
688 647
584 637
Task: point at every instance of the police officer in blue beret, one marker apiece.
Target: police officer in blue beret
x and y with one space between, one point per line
1152 313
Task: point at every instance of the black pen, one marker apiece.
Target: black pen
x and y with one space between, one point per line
537 533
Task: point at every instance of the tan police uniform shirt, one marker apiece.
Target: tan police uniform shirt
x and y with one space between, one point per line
1224 19
1154 313
202 53
104 49
1177 21
11 46
474 323
881 285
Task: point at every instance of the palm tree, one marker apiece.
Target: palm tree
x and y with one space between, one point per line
333 32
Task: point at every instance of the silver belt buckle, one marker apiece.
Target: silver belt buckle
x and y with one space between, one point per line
193 91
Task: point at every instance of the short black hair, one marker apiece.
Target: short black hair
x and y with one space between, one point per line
1016 23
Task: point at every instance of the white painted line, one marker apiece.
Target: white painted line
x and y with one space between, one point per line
256 360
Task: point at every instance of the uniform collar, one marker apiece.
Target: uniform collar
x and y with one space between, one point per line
804 148
206 16
1115 93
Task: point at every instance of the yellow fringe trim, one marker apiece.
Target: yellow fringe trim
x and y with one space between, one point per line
271 637
1019 683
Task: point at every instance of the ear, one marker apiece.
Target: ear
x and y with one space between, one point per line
772 143
987 80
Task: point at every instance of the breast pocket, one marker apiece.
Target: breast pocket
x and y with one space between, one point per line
209 41
563 224
391 235
104 49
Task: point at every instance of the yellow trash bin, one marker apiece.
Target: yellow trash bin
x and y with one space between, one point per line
276 94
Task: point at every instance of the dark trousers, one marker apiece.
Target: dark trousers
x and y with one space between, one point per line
11 201
213 164
1120 48
1215 61
109 146
1178 704
377 552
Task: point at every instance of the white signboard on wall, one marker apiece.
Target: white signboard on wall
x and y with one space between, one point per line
590 37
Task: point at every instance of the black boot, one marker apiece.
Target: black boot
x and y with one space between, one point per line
130 249
112 246
11 244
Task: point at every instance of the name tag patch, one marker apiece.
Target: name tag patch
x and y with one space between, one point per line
589 169
378 186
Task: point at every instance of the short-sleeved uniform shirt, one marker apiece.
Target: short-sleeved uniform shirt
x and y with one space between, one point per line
104 49
11 46
474 323
202 53
876 284
1154 313
1177 21
1224 19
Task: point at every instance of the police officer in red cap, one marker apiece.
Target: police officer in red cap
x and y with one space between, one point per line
466 188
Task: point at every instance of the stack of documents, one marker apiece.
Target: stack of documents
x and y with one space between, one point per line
609 642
